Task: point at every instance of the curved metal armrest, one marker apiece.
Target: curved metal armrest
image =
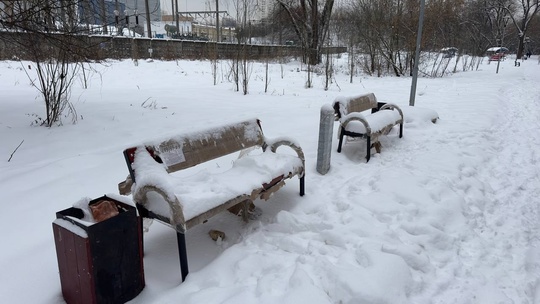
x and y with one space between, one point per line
356 117
392 106
176 218
285 142
124 187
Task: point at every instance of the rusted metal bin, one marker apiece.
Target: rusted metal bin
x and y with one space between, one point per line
99 262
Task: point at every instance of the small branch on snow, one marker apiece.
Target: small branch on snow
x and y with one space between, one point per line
15 150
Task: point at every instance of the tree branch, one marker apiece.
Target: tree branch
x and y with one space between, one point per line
15 150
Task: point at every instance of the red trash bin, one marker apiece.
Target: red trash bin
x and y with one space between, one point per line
99 262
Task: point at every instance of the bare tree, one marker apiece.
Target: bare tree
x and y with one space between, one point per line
477 34
383 33
534 33
47 33
328 70
241 65
310 21
528 9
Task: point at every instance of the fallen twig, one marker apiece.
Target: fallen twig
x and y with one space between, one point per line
15 150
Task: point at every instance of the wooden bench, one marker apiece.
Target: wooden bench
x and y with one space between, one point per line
354 123
183 202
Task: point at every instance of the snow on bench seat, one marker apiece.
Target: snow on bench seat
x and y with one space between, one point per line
377 122
206 190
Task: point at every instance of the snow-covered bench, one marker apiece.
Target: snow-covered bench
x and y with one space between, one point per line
383 117
183 202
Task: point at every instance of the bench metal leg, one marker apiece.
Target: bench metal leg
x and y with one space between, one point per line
141 232
182 252
302 185
143 213
400 130
368 154
342 134
245 210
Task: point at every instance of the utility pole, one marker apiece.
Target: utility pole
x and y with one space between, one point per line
117 17
177 17
172 12
148 25
417 53
104 17
218 36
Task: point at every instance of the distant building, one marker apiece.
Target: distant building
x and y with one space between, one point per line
263 9
138 5
91 11
209 32
96 11
118 13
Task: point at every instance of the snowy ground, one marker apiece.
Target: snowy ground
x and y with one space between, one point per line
447 214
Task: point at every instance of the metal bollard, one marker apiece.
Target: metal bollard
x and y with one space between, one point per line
326 129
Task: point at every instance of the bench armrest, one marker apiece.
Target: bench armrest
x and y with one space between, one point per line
176 216
277 142
355 117
151 176
124 187
392 106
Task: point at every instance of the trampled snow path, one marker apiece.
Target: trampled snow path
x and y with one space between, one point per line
498 259
508 217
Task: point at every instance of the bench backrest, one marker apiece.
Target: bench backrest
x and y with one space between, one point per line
346 105
190 149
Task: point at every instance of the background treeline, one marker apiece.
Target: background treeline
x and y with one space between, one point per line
381 34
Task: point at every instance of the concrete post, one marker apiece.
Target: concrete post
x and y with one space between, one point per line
326 130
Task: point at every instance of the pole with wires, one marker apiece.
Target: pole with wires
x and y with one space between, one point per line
148 25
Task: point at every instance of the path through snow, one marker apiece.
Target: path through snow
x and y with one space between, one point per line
498 257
